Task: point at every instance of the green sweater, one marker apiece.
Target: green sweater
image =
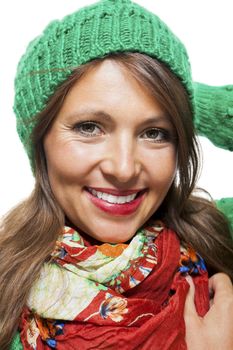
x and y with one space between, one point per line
16 344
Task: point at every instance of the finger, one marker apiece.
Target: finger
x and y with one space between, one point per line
189 308
221 285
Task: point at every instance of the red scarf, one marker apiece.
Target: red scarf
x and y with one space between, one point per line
140 308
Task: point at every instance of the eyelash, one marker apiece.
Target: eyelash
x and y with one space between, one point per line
165 134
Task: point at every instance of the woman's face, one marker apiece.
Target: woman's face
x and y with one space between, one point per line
111 141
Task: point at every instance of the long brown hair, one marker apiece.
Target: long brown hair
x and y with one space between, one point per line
29 231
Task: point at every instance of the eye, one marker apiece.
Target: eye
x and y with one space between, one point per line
157 135
88 128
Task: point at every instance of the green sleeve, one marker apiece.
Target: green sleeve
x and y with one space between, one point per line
16 343
225 205
213 113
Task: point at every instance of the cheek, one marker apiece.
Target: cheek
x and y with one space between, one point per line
162 167
68 161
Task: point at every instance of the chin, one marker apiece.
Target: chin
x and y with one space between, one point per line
113 240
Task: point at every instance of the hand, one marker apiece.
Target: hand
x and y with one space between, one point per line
214 331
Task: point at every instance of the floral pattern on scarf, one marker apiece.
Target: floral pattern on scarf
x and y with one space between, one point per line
87 287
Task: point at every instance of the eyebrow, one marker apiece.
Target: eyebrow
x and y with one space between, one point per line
108 118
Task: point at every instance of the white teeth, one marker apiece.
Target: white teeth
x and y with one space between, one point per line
99 194
104 196
121 200
113 199
94 192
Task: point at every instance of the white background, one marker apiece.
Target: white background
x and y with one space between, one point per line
204 26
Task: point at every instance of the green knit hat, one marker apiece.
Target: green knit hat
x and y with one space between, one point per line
95 31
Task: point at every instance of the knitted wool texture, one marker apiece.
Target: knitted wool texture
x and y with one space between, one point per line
214 113
225 205
16 343
95 31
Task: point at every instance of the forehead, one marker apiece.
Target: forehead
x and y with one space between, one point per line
111 88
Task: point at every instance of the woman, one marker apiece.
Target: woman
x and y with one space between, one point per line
102 252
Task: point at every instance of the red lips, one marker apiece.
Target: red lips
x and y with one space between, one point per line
114 208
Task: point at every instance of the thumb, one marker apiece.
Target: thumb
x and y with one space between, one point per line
221 287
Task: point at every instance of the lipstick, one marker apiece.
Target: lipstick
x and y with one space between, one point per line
115 208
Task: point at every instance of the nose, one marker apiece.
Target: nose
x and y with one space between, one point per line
121 160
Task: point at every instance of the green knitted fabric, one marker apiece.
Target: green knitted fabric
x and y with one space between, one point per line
226 206
214 113
93 31
16 343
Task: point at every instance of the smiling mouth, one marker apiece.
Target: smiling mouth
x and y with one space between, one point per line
115 199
